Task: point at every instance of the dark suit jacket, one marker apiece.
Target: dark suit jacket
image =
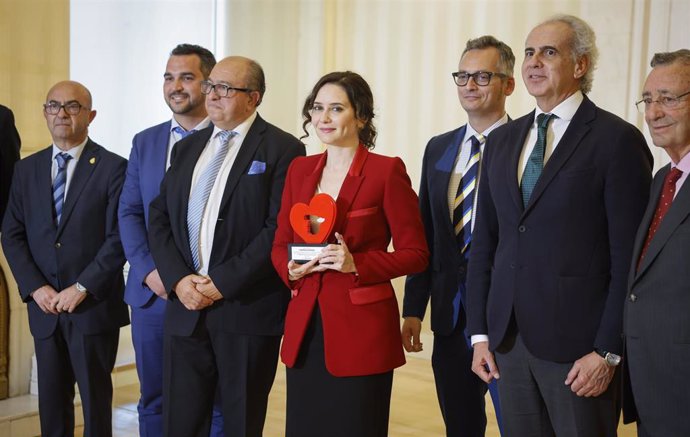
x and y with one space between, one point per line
84 248
447 266
9 154
145 171
361 321
657 319
561 264
240 264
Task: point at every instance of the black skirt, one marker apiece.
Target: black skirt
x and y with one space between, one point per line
322 405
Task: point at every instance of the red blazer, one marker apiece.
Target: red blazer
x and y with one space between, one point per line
361 320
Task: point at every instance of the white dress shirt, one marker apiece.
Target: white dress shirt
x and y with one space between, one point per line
75 153
210 215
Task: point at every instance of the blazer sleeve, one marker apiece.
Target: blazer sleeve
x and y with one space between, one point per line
484 243
235 275
15 243
418 286
626 194
132 219
284 233
410 254
110 257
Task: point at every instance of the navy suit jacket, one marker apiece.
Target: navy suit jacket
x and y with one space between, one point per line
447 267
254 298
145 171
561 264
84 248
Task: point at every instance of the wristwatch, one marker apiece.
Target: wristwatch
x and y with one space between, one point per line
611 359
80 288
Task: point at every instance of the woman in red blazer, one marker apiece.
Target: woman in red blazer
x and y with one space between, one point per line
342 329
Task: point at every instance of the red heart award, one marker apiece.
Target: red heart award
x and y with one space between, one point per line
313 223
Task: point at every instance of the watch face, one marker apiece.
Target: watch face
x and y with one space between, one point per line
612 360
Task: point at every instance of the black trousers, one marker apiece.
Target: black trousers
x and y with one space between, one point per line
68 356
242 367
536 402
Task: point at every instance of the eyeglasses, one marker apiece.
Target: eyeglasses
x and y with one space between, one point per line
53 107
221 89
668 102
481 78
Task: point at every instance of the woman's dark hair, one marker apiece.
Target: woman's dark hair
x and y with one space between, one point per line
361 99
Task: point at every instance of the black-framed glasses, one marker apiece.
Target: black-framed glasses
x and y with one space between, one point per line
221 89
481 78
53 108
668 102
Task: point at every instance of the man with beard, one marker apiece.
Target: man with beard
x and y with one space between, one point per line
149 159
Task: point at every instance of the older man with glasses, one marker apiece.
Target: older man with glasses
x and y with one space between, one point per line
657 307
452 164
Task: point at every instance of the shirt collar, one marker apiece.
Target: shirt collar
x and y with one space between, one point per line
204 124
469 130
683 165
74 152
566 109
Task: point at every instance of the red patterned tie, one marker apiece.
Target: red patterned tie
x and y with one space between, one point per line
667 193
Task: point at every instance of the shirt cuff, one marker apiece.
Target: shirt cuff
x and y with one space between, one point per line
478 338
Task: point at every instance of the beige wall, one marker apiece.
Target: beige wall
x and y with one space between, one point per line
34 54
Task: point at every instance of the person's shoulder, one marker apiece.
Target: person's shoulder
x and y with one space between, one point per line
105 154
154 129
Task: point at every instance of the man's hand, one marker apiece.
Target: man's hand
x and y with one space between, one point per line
411 329
44 299
154 282
590 375
483 363
68 299
208 288
190 297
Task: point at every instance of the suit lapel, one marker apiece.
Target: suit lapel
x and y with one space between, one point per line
444 169
160 158
88 162
243 158
44 184
680 209
576 130
309 184
350 187
519 130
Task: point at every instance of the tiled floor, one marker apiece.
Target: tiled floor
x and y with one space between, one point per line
414 409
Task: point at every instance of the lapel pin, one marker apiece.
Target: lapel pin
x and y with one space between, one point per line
92 161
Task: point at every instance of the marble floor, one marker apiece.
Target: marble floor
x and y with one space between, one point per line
414 409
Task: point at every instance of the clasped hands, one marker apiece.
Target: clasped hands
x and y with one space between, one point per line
52 302
197 292
332 257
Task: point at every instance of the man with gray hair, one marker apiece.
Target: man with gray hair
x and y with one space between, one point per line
562 191
657 308
447 199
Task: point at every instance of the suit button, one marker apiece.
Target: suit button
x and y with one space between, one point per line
512 265
58 245
633 297
522 228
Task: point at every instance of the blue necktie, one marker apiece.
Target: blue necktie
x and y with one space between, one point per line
59 184
535 163
183 133
201 191
464 198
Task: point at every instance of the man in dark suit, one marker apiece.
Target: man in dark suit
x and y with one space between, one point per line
9 154
61 240
449 176
210 232
552 245
187 67
657 308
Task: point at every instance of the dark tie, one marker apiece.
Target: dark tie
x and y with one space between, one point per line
464 198
59 184
183 133
535 163
201 191
667 193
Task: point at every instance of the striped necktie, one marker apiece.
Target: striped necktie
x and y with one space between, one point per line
535 163
183 133
201 191
59 184
464 199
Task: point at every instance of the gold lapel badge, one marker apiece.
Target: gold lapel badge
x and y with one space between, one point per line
92 161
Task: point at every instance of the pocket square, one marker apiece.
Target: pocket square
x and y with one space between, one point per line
257 167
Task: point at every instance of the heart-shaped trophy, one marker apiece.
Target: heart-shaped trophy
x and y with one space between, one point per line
318 216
